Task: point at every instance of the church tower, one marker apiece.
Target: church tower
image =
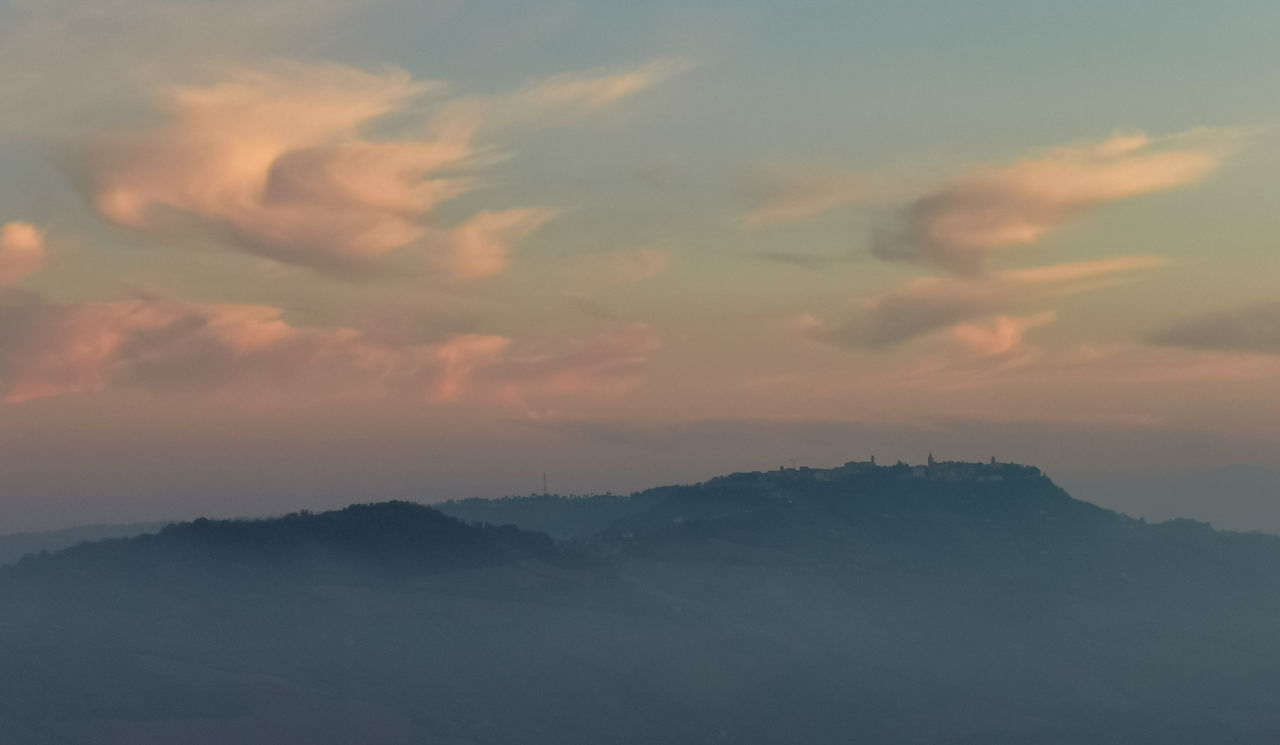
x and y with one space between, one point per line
931 460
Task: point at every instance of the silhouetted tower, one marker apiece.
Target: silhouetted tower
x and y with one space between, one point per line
993 460
873 460
931 460
544 484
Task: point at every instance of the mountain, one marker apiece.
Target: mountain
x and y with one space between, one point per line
953 603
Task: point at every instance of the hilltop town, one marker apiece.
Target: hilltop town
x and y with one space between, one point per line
932 469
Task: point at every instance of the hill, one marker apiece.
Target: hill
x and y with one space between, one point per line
14 546
953 603
561 517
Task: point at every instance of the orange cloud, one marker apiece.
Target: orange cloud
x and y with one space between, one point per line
21 251
961 223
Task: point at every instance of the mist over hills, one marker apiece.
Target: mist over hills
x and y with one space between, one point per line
955 603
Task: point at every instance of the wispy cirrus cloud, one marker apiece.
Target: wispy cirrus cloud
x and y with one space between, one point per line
958 225
1082 367
1253 328
278 162
930 304
608 268
784 195
479 247
21 251
555 98
165 344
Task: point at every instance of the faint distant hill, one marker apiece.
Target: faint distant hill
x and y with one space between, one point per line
951 603
14 546
1242 498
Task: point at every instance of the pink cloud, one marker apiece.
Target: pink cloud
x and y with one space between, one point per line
165 345
605 365
461 355
1001 335
930 304
276 162
21 251
961 223
479 246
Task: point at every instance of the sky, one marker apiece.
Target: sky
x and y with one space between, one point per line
263 256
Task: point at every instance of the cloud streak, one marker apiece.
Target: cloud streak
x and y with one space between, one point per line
959 225
930 304
164 344
555 98
788 195
1254 328
609 268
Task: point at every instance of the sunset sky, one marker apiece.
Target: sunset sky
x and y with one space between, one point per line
258 256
